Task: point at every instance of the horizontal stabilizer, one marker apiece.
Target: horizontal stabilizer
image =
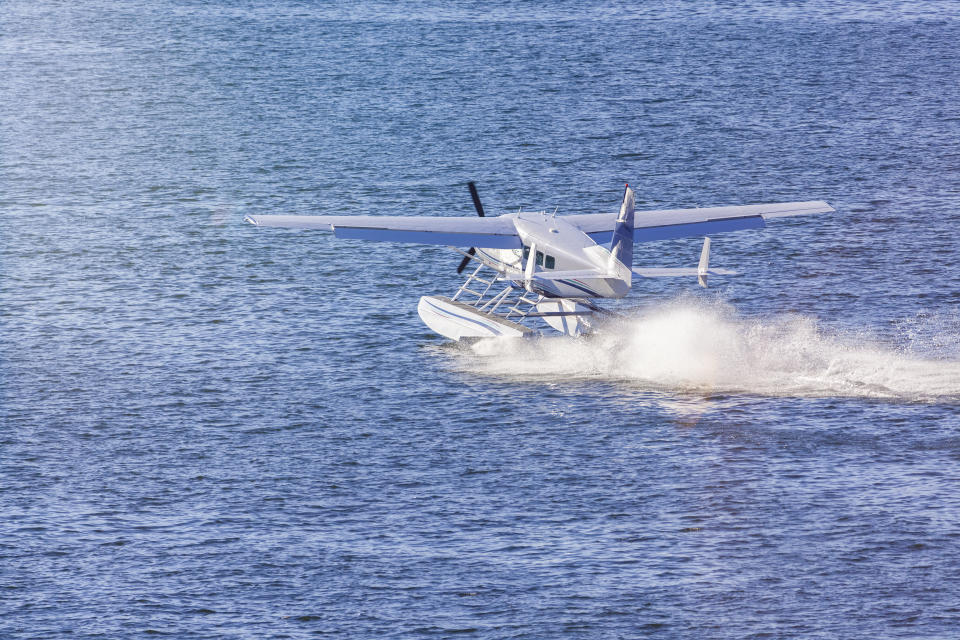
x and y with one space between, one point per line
670 272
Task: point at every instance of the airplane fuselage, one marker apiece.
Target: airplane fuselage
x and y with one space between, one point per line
561 260
558 246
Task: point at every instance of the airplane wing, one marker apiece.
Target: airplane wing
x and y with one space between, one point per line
499 232
666 224
492 232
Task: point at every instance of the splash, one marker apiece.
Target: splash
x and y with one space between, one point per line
692 346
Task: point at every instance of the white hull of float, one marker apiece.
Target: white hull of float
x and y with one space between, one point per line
566 316
456 320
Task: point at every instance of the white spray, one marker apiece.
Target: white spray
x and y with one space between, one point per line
693 346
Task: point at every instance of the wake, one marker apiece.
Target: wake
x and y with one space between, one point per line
692 346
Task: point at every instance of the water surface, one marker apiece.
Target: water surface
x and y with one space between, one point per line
213 430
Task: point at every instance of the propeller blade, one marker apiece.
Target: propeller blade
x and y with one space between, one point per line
479 207
466 260
476 198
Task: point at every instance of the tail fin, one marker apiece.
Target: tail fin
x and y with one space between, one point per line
704 267
621 245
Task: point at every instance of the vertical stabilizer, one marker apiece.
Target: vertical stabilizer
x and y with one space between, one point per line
704 267
621 245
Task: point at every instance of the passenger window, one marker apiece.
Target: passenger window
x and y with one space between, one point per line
550 262
539 258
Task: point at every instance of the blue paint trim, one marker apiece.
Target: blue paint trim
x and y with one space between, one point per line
450 313
575 285
601 237
487 241
621 244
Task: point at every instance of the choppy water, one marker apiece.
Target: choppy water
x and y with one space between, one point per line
212 430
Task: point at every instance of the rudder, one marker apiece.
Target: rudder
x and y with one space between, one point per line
621 244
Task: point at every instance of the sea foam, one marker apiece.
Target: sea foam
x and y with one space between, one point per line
695 346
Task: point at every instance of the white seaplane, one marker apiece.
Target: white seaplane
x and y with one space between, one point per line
544 268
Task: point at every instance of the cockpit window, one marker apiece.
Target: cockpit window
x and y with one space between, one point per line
542 259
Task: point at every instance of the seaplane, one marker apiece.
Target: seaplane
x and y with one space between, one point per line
539 272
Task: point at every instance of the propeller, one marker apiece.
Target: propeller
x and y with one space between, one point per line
479 207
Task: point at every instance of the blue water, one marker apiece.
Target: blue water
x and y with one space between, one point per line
214 430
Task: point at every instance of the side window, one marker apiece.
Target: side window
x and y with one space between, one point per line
526 253
539 258
550 262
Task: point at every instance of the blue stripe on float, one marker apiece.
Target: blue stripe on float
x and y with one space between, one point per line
450 313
